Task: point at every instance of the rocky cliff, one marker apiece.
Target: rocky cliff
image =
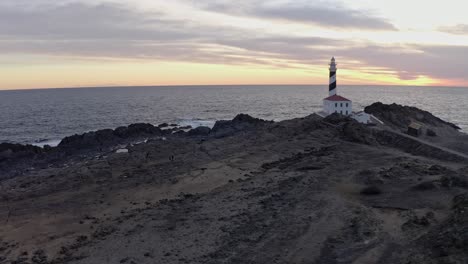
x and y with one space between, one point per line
307 190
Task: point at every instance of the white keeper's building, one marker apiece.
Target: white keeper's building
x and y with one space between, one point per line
337 104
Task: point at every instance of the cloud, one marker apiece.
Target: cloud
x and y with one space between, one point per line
408 62
115 31
79 21
411 61
100 30
326 14
336 18
305 50
460 29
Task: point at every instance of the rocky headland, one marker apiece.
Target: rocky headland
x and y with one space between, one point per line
307 190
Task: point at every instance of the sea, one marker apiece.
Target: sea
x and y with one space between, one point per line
45 116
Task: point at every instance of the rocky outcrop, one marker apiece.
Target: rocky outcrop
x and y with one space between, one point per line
448 243
356 132
415 147
352 131
337 119
200 131
15 157
307 190
16 151
399 116
108 137
137 130
241 122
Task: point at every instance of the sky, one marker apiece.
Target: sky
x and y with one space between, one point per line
87 43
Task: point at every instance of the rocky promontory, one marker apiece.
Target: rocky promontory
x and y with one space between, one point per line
306 190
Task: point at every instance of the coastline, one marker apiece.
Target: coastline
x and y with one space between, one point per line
246 187
58 114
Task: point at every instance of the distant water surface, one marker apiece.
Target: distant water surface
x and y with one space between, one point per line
46 116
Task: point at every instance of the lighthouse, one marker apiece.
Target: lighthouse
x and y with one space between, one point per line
332 83
335 103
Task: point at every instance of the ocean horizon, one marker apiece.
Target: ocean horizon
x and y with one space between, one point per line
46 116
224 85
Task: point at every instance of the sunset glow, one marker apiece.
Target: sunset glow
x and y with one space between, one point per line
79 43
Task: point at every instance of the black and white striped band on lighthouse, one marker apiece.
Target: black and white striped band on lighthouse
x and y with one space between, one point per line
332 87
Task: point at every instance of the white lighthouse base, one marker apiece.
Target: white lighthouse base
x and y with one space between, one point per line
365 118
361 117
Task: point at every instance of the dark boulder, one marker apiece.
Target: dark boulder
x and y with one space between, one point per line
355 132
140 129
336 119
416 222
425 186
434 169
431 133
244 118
90 139
108 137
453 181
143 129
241 122
179 133
200 131
16 148
14 158
451 239
371 190
13 151
350 129
460 203
121 132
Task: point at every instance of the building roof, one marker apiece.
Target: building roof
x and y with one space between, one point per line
415 125
336 98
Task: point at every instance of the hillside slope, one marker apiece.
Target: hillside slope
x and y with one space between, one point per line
308 190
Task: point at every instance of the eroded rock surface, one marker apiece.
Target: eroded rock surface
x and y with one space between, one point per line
308 190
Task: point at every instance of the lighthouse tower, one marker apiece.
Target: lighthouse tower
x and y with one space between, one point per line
335 103
332 85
